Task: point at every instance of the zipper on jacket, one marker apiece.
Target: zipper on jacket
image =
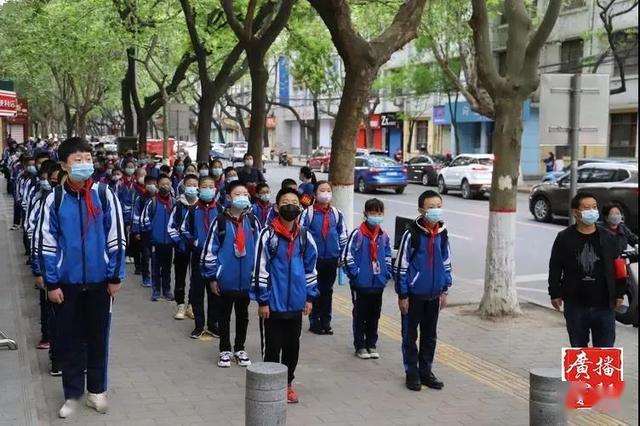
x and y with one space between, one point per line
84 269
289 286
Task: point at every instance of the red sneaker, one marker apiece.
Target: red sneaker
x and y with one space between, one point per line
43 344
292 396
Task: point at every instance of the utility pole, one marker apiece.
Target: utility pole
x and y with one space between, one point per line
574 137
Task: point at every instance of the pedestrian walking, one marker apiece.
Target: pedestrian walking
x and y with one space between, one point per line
79 220
327 226
422 279
367 263
285 284
582 276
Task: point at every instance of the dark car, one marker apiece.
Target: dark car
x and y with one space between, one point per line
608 182
375 172
423 169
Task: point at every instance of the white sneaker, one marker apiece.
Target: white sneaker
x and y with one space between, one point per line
224 359
189 312
242 358
14 227
98 401
68 408
129 260
363 354
180 313
373 353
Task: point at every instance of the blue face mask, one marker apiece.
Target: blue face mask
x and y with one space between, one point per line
204 172
207 194
179 169
375 220
264 197
433 215
129 171
232 178
32 169
241 202
81 172
191 192
45 185
589 217
216 171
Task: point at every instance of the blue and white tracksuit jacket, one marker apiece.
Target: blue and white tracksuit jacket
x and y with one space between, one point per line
180 210
220 262
260 211
415 275
127 195
136 213
76 252
194 229
155 219
332 246
284 284
32 227
358 265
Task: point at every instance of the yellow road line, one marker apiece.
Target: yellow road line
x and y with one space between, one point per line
480 369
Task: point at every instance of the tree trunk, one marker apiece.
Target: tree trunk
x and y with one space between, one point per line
412 125
69 121
127 85
143 127
218 126
368 131
205 116
315 136
358 79
165 132
82 123
259 79
500 296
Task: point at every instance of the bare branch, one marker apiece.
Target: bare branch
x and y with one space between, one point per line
235 24
479 23
532 54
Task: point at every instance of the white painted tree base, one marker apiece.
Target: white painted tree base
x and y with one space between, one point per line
500 297
343 200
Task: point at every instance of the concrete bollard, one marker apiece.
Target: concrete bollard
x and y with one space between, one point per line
546 397
266 394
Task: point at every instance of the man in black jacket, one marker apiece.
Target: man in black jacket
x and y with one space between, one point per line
581 274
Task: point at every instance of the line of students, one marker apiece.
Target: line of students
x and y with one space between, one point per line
285 256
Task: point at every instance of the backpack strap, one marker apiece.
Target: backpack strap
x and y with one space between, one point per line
415 234
102 194
57 198
221 221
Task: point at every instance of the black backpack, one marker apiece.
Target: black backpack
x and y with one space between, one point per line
274 241
102 194
221 220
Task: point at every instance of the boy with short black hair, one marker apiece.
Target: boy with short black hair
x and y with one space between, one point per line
262 207
82 253
367 263
155 218
195 228
227 263
285 284
423 277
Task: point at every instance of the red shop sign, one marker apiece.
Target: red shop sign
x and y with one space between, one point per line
8 103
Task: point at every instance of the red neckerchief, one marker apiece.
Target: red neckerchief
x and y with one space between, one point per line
433 232
289 235
264 210
326 221
206 207
140 188
84 189
239 241
373 240
127 181
165 201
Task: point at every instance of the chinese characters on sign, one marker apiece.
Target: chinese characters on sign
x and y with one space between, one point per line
595 374
8 103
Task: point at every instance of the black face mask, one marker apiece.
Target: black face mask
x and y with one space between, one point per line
164 191
289 211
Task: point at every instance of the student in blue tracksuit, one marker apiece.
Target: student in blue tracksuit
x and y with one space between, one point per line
227 263
285 284
422 278
195 228
262 207
326 224
155 218
307 186
82 249
177 177
182 249
139 234
367 263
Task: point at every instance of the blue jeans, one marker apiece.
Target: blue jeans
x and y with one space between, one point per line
600 321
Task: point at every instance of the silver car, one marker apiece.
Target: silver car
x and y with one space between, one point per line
236 150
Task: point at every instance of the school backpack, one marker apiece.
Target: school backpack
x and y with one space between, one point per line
102 194
221 220
415 232
274 241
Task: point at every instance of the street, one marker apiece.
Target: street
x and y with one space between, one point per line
467 224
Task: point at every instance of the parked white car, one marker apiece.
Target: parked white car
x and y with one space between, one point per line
468 173
236 150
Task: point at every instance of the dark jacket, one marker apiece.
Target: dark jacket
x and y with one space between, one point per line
563 267
623 235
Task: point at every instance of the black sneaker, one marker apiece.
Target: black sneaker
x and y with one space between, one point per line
328 331
316 330
413 384
432 382
213 331
197 333
55 370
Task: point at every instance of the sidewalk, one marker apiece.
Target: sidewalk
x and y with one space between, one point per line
159 376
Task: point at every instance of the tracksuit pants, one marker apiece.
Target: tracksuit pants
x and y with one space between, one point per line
423 314
145 257
161 258
228 303
281 341
17 213
84 316
366 314
198 289
320 317
45 313
181 262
